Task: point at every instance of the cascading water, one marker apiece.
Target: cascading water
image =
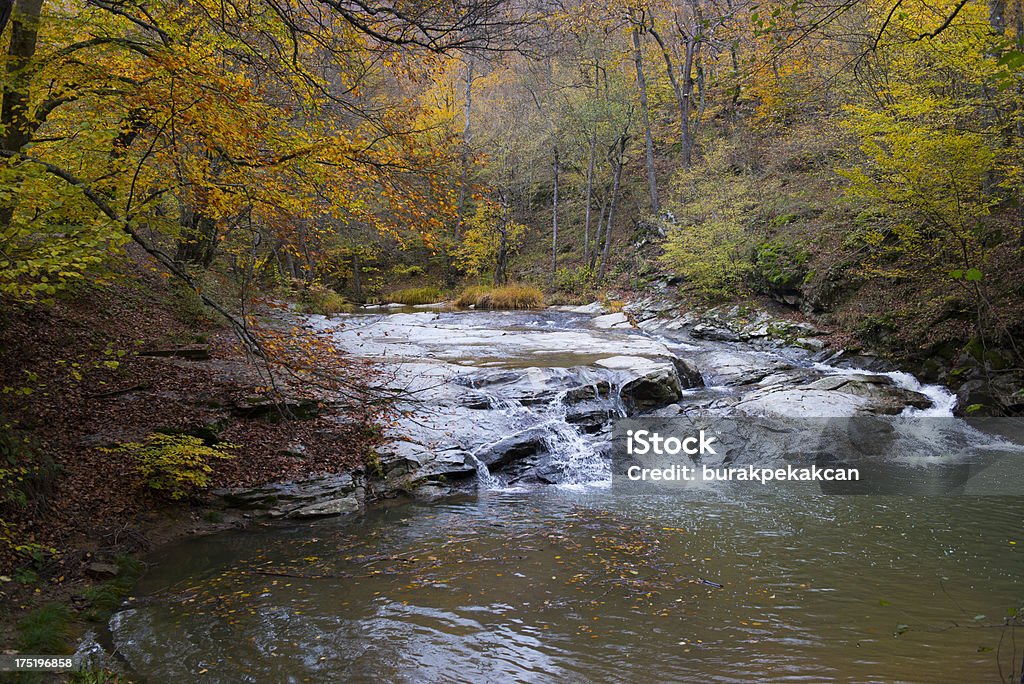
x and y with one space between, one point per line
574 456
943 401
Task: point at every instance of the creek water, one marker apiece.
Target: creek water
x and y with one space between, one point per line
591 578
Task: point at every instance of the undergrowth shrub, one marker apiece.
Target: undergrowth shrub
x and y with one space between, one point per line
319 299
708 241
45 630
26 477
174 465
575 280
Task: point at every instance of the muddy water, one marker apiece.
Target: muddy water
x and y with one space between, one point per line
592 583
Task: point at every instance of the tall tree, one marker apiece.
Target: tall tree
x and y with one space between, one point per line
641 84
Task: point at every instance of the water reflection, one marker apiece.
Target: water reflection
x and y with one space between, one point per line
594 586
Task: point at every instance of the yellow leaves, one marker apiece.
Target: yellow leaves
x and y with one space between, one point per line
174 464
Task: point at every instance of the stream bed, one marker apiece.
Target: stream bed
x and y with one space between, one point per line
535 564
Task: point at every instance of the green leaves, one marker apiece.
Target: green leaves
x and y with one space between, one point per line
177 465
971 275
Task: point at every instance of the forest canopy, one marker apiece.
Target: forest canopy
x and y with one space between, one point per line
351 145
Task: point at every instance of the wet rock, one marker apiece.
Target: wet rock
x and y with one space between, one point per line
810 343
90 655
513 448
999 395
689 374
476 401
834 396
450 462
654 383
102 571
705 331
318 496
592 308
532 386
736 368
859 361
344 504
589 417
431 492
617 321
600 388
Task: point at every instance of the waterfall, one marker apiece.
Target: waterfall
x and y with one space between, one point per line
943 401
483 474
581 463
567 452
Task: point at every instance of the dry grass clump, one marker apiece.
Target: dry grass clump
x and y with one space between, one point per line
416 295
507 297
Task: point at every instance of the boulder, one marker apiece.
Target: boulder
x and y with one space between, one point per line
589 417
521 445
689 374
834 396
647 383
813 344
344 504
705 331
311 497
102 571
599 389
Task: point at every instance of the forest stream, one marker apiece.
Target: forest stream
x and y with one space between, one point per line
537 564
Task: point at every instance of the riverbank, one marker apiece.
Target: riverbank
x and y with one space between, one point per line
116 365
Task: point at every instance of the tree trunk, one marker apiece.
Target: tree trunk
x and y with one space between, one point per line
615 157
357 276
683 90
198 242
641 83
589 194
555 166
591 158
467 135
6 6
501 263
686 104
592 262
997 16
14 115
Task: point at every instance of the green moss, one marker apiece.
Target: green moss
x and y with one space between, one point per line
781 264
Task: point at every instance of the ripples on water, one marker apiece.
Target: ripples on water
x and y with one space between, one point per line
595 586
